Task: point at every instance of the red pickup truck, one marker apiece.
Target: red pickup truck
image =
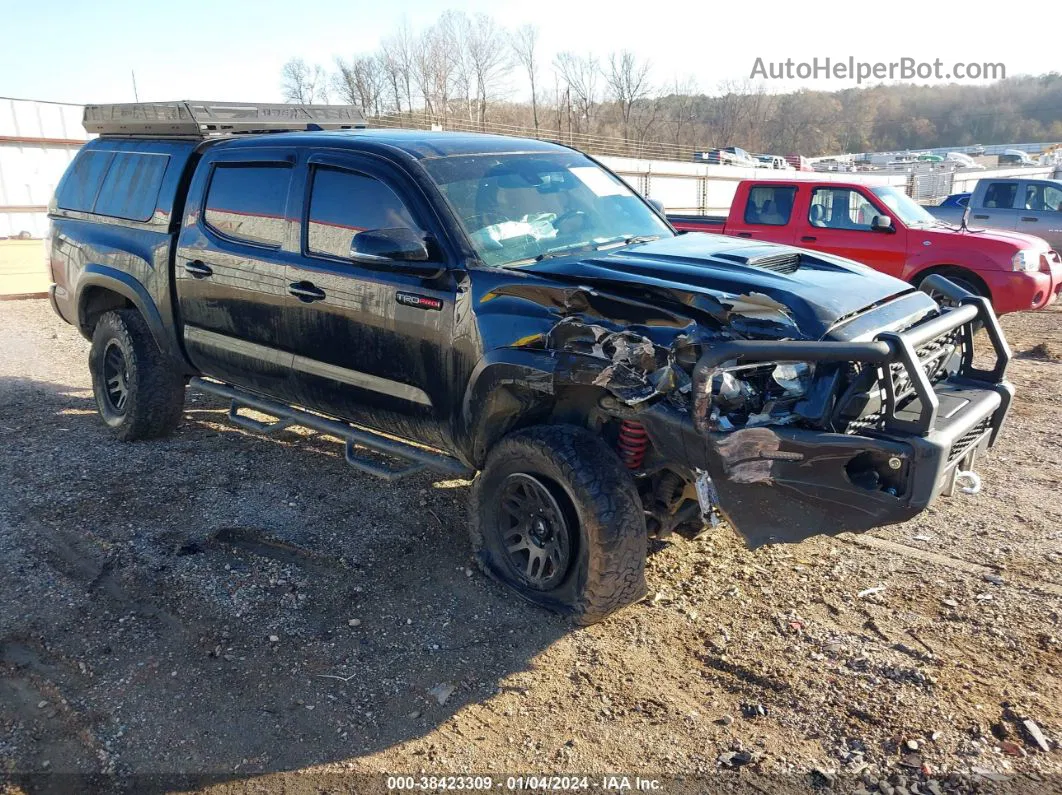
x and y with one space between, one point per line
882 227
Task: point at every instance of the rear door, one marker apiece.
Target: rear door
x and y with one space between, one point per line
231 268
767 213
839 222
998 206
373 345
1040 211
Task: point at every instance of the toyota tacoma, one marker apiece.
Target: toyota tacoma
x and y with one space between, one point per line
512 311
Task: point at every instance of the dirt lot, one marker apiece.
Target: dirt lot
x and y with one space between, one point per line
225 612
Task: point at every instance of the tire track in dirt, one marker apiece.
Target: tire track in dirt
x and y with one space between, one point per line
1027 583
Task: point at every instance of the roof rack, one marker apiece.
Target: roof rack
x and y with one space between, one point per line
187 119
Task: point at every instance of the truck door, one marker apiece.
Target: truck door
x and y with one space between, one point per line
231 275
839 222
1040 211
998 208
373 344
766 215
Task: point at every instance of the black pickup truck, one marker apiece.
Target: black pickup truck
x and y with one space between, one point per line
510 308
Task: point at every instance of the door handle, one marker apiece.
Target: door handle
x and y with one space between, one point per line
198 269
808 239
306 292
1029 218
981 217
744 234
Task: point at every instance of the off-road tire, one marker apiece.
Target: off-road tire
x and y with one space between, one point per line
606 519
155 391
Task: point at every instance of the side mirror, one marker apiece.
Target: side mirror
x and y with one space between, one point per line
397 248
658 205
882 223
388 245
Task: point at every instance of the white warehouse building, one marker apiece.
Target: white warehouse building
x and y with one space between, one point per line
37 142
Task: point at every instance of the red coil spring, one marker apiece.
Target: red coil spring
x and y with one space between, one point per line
633 443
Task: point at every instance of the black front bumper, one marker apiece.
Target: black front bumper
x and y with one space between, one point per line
784 484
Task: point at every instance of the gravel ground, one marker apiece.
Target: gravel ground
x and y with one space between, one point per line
223 612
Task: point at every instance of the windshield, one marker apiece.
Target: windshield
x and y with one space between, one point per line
523 207
904 207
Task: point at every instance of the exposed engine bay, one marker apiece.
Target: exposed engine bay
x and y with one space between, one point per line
740 409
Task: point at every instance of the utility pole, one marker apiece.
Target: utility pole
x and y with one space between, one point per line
568 97
136 97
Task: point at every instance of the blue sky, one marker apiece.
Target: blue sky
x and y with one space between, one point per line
233 50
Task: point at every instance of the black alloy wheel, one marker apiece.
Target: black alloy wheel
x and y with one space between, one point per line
537 537
115 378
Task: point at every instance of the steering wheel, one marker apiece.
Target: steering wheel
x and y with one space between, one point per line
570 215
484 219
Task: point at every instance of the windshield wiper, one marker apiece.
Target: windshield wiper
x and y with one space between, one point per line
563 251
625 240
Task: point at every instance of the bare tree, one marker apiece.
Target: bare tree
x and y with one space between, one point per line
488 56
434 66
454 30
628 82
680 104
728 111
303 84
580 74
525 45
360 82
397 57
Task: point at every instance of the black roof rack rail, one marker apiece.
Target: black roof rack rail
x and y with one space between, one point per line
187 119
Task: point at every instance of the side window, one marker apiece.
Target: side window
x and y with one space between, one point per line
770 205
1043 198
343 203
1000 195
246 202
131 188
841 208
81 183
1053 198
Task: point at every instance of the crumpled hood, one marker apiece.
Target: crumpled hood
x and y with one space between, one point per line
704 270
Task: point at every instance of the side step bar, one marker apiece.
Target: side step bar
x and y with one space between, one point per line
416 459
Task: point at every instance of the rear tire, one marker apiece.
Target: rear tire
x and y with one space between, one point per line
582 521
138 395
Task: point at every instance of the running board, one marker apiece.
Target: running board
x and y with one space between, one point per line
416 459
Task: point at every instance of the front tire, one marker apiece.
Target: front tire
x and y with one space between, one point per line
556 517
138 395
963 278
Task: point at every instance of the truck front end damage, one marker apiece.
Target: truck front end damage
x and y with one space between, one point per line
787 438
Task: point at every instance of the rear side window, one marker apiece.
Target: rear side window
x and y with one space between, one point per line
131 188
1000 195
81 183
343 203
246 202
770 205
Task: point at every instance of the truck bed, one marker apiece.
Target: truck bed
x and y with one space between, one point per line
713 223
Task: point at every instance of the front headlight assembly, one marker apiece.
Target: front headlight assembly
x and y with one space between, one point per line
1026 260
764 393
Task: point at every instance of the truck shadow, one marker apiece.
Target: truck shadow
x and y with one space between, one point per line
216 606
